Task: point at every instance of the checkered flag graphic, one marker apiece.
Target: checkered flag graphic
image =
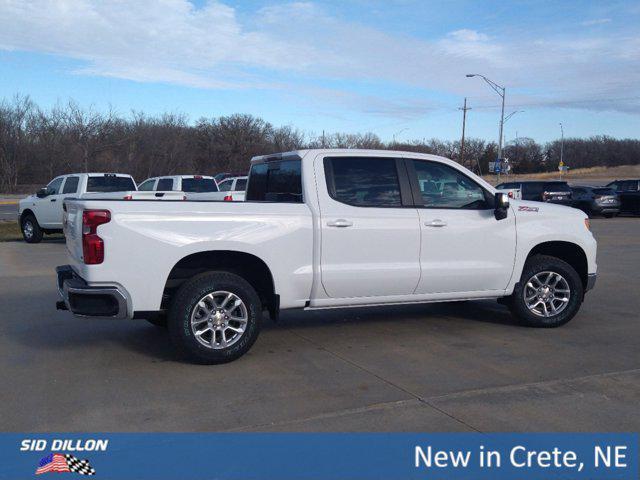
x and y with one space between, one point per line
79 466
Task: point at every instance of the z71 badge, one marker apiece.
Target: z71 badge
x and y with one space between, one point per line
524 208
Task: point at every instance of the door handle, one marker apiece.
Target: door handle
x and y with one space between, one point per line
341 222
53 199
435 223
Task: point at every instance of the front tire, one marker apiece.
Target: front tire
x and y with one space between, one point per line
31 231
549 293
215 317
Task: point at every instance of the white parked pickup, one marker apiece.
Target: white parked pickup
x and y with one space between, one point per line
233 188
194 187
41 212
323 229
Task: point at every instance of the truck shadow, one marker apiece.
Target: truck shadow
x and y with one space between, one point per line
479 311
51 330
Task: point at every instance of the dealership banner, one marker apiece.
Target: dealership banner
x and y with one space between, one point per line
302 456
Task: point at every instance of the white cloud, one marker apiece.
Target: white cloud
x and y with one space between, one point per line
294 47
596 21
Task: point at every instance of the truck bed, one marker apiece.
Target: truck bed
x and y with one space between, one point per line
144 240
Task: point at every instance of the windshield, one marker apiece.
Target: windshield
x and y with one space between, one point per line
110 183
199 185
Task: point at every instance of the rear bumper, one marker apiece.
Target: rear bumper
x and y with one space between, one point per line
606 208
86 300
591 281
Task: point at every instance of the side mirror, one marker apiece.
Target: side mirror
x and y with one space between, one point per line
501 202
43 192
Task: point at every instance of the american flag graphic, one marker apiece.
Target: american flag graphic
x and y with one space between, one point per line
57 462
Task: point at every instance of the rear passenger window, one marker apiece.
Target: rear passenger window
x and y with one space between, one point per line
363 181
71 185
275 181
165 184
241 185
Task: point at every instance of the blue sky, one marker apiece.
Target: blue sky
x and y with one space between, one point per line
351 66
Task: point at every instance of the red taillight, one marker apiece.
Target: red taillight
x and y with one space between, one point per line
92 244
228 198
128 197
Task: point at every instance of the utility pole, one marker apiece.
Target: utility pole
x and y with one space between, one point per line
464 122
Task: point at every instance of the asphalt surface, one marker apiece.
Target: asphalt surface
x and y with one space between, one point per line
8 211
447 367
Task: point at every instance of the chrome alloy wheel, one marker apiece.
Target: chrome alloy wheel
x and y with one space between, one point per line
546 294
27 229
219 319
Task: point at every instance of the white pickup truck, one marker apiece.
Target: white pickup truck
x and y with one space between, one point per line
41 212
194 187
323 229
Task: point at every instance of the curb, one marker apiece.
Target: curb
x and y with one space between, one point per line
8 202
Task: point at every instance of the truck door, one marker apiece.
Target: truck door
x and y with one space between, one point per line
49 211
464 247
369 230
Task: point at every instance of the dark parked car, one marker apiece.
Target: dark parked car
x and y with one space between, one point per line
542 191
596 200
629 193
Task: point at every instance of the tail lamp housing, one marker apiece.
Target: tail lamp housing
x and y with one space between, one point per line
228 198
92 244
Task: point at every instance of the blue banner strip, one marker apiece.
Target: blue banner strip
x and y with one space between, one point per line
302 456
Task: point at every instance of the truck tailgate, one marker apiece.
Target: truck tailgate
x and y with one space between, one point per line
72 227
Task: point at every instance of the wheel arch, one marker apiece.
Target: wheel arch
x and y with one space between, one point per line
569 252
27 211
250 267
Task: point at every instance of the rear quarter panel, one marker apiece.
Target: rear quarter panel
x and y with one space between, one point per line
144 240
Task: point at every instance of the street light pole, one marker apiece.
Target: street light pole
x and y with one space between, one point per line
500 90
561 148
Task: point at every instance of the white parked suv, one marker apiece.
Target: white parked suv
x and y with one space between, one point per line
195 187
323 229
41 212
233 188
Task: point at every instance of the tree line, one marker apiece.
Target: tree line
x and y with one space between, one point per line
37 145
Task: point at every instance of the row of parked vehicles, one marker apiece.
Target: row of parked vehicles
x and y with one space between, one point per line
619 196
42 212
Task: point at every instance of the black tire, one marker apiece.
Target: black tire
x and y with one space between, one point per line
184 303
31 231
543 263
609 215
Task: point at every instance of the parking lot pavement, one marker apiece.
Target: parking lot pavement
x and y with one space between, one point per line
8 210
447 367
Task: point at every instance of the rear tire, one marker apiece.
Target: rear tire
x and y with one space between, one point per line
544 283
31 231
215 318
